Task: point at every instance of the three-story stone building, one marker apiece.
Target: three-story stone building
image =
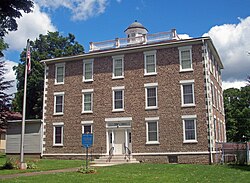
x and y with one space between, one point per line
155 94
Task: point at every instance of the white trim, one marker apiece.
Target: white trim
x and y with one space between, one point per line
147 53
61 124
147 86
157 132
185 48
152 119
121 119
56 66
189 117
55 95
187 82
87 61
71 154
87 122
113 70
87 90
115 89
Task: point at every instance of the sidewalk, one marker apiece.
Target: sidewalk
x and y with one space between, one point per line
10 176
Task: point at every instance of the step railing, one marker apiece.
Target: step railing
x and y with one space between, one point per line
111 153
127 153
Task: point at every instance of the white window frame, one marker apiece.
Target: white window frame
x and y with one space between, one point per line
58 124
187 82
87 91
148 53
114 60
92 67
89 123
56 67
114 89
185 48
148 120
55 95
147 86
189 117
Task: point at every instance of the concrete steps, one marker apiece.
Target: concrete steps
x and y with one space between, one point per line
115 160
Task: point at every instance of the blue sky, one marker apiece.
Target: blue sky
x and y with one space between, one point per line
226 21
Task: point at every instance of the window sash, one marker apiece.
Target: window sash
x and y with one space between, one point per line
118 99
87 129
186 62
118 67
152 132
150 64
151 97
59 74
87 102
188 94
59 104
88 71
58 135
190 130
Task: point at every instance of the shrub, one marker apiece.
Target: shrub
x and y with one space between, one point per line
31 165
11 163
85 170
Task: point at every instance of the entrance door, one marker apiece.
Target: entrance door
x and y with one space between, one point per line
119 140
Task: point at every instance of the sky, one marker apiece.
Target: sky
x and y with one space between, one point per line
227 22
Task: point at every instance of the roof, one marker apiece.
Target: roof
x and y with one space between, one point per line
135 25
134 48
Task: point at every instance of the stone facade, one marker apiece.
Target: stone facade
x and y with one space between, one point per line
169 111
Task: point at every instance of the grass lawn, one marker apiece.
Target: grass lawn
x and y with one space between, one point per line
150 173
42 165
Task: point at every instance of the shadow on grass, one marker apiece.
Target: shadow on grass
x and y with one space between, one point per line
240 167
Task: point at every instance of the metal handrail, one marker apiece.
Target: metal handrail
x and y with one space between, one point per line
127 152
111 153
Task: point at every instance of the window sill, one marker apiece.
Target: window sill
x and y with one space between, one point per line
57 114
58 83
190 141
186 70
88 81
153 143
57 145
118 77
150 74
87 112
118 110
151 108
188 105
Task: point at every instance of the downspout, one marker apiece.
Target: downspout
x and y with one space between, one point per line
208 103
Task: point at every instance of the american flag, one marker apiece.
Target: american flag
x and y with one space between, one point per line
28 58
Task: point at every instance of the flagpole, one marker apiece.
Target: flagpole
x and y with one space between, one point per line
23 165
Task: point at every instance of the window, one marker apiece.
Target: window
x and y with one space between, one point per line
87 101
58 134
213 94
187 93
118 67
87 127
151 95
118 98
58 103
189 128
152 130
215 129
59 73
185 56
150 63
88 70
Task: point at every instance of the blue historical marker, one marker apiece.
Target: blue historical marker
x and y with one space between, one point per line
87 140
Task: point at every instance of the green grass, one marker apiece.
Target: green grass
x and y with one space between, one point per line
42 165
150 173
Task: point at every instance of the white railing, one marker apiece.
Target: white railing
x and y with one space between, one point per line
124 42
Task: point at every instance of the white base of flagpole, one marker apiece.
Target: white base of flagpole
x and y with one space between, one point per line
23 166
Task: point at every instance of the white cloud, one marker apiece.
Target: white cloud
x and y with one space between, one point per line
80 9
119 1
233 84
232 43
29 27
184 36
10 75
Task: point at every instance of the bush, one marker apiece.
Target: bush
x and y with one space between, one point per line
31 165
11 163
85 170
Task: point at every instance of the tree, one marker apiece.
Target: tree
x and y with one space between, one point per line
46 46
9 11
237 113
4 97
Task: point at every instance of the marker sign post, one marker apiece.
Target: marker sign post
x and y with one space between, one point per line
87 141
